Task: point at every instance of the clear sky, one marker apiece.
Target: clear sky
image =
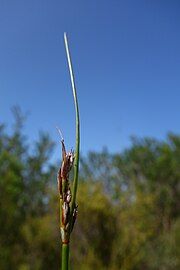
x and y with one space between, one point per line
126 57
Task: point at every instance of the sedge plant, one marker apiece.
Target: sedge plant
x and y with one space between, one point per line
67 193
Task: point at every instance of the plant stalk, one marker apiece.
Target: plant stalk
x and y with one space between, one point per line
65 256
76 161
66 230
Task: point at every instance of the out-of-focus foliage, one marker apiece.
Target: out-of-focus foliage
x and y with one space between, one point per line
128 214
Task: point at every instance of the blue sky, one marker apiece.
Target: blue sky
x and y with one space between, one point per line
126 57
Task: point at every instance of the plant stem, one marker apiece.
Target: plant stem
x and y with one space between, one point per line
66 231
65 256
76 161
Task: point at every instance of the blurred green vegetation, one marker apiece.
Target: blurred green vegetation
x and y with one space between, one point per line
128 206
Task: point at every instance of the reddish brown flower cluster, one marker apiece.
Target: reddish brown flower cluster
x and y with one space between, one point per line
65 192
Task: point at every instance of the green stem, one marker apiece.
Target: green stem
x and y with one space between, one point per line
76 161
65 256
65 247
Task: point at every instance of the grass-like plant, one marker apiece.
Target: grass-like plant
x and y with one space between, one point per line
68 206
